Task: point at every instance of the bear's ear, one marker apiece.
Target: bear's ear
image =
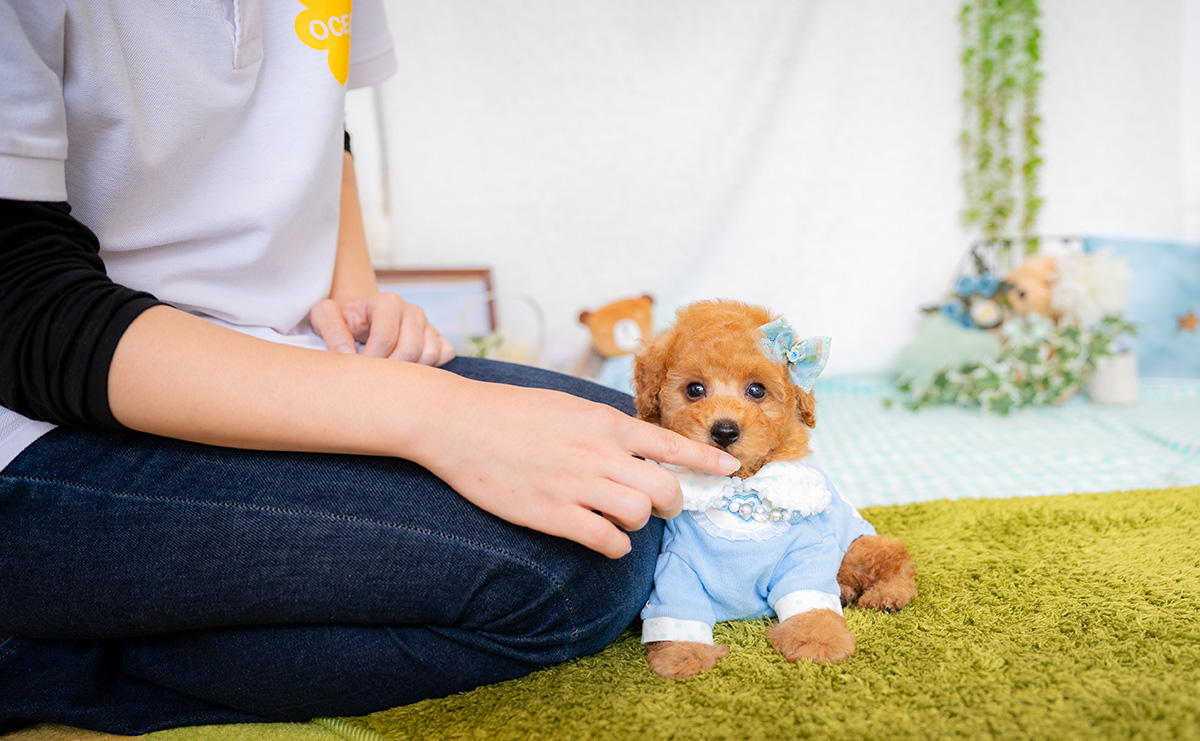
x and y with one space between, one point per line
584 316
806 407
649 372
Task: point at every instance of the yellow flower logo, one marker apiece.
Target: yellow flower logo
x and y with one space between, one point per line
325 25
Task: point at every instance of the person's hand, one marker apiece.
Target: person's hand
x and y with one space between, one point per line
559 464
387 325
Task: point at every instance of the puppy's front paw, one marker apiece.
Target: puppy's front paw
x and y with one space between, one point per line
681 659
819 635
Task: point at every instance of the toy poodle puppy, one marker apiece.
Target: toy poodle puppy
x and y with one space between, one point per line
774 538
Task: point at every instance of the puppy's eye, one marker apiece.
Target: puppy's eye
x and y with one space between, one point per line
756 391
694 390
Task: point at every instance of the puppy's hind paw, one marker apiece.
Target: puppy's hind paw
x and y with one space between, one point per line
682 659
888 597
849 594
877 573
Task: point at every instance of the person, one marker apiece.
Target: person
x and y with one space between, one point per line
237 482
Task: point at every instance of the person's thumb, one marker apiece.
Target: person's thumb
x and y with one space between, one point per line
329 322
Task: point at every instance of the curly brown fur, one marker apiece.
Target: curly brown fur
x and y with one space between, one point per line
716 344
682 659
877 573
818 635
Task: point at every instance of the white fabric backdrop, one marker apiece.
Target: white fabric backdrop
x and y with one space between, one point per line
802 155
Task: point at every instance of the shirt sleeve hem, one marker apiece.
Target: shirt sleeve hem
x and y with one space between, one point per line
372 70
106 348
805 600
32 178
675 629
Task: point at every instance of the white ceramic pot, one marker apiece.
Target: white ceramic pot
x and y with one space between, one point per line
1115 380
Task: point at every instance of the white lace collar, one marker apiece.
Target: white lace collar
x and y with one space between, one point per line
778 491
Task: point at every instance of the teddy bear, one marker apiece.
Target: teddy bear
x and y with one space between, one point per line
618 330
1079 289
1032 287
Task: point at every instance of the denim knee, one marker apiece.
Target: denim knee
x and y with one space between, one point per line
609 594
564 602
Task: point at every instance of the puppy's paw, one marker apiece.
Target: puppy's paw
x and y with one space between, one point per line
682 659
819 635
850 592
877 573
892 595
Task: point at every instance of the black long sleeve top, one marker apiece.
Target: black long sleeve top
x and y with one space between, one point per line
60 316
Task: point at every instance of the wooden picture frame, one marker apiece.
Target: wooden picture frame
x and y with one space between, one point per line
456 300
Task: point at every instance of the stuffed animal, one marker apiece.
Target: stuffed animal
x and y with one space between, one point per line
1032 284
618 330
1079 289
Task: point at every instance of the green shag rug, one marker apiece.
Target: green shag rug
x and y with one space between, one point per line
1057 617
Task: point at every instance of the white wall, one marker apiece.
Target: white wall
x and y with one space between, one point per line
1113 102
798 154
1189 93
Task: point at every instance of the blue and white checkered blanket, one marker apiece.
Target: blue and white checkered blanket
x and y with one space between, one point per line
880 456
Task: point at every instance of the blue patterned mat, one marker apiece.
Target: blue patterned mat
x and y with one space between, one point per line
881 456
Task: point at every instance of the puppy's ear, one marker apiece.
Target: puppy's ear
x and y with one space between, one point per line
806 407
649 372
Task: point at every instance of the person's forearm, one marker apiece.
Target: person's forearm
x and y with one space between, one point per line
542 459
180 376
353 274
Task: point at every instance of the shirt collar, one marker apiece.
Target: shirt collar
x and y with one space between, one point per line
785 485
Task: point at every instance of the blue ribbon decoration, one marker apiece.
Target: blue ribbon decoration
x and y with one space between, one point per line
805 358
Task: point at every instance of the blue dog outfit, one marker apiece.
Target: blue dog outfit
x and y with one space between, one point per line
746 548
769 544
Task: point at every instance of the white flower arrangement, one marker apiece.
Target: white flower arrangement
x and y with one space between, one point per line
1089 287
1041 361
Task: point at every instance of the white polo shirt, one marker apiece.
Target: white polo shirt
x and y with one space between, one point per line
200 141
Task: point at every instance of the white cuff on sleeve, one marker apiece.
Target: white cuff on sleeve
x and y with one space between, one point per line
794 603
674 629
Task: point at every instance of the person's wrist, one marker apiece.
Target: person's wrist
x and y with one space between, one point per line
421 424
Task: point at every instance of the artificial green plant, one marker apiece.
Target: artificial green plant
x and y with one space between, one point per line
1041 364
1001 142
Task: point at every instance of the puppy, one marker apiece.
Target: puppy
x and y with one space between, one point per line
775 538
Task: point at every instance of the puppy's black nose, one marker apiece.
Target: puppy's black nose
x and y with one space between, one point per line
725 432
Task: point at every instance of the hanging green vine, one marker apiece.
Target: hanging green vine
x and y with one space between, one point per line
1000 138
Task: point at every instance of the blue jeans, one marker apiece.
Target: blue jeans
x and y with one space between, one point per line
154 583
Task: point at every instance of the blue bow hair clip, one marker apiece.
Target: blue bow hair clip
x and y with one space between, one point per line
805 358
